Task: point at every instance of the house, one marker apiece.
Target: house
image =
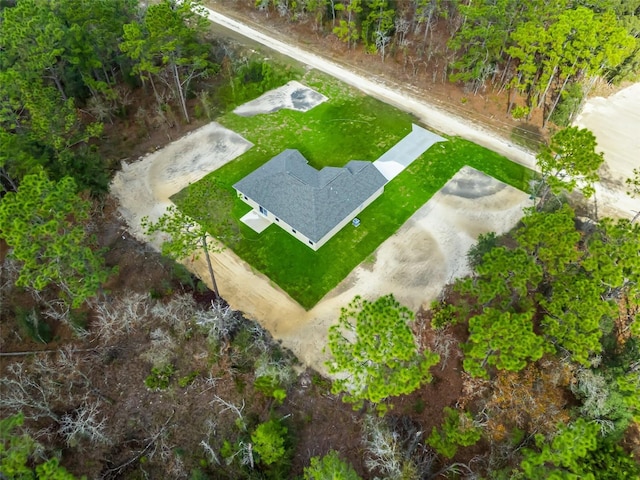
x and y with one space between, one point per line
312 205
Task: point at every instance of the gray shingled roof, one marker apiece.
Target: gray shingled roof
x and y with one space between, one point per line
311 201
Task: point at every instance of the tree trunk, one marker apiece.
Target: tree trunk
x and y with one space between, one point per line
555 103
210 267
183 103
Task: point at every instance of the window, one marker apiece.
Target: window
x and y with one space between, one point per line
310 242
277 219
293 231
245 197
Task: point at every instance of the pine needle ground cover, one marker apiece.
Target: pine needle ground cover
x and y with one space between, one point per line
349 126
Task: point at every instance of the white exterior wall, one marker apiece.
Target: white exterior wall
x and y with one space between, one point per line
348 218
289 229
272 218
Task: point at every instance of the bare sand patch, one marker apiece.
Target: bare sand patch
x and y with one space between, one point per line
291 96
143 187
615 121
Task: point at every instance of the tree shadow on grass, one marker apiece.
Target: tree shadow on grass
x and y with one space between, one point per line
528 135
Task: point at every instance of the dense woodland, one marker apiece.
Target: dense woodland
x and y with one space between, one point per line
546 55
117 363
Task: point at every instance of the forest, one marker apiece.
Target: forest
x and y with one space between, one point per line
117 362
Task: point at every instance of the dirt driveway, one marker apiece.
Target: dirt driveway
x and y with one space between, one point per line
414 264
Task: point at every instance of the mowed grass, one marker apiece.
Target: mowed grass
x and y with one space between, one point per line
348 126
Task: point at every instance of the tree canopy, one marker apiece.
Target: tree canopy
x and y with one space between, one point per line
42 223
374 352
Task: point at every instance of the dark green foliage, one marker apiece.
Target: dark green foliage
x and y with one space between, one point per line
55 57
570 103
486 242
610 462
160 377
42 223
564 456
32 324
251 79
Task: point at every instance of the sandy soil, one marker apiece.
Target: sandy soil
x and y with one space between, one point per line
292 96
144 187
615 121
414 264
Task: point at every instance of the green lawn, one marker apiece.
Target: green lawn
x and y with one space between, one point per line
348 126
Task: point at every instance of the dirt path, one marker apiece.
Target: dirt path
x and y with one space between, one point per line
392 94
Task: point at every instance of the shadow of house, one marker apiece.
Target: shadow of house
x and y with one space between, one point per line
312 205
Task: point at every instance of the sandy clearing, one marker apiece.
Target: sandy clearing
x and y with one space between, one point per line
615 121
144 187
291 96
414 264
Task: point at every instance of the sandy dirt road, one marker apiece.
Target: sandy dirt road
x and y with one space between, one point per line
394 95
615 120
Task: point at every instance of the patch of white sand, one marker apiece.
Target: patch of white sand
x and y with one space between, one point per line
291 96
144 187
615 121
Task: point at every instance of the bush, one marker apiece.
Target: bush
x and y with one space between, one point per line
269 442
330 467
188 379
32 325
442 315
160 377
457 430
486 243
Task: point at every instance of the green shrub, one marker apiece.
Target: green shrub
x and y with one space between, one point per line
160 377
486 242
32 325
518 112
330 467
442 314
188 380
270 387
457 431
269 440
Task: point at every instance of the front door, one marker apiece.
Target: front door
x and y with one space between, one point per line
263 210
